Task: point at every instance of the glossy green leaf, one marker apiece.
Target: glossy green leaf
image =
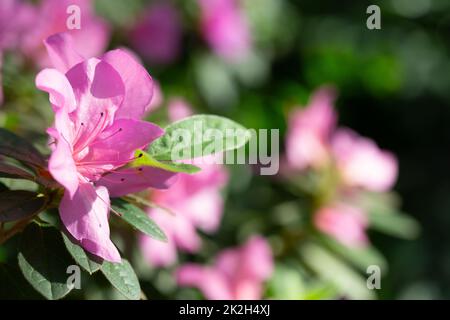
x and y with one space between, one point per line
143 159
44 261
84 259
198 136
123 278
18 148
138 219
19 204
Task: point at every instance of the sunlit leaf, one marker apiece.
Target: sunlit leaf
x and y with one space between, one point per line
144 159
123 278
138 219
84 259
198 136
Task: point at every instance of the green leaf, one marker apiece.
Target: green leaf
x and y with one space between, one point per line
138 219
18 148
359 257
395 224
123 278
13 172
51 218
84 259
44 261
143 159
333 270
198 136
16 205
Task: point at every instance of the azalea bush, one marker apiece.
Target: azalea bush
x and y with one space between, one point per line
118 121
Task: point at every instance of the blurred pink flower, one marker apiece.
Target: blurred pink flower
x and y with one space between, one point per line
345 223
15 18
309 131
361 163
195 200
237 273
98 103
157 36
225 28
50 17
178 109
157 99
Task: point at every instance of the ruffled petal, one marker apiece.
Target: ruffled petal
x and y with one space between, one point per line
62 166
57 85
118 143
86 218
137 81
61 51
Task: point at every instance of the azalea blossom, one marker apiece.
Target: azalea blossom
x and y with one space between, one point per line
314 142
238 273
361 163
157 35
98 103
309 132
344 222
50 17
195 201
225 28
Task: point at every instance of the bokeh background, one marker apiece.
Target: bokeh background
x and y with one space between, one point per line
393 87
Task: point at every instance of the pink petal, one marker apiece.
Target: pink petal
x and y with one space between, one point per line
212 283
131 180
62 166
86 218
59 88
257 261
119 142
137 81
62 53
1 81
345 223
157 98
158 253
157 36
178 109
362 163
309 131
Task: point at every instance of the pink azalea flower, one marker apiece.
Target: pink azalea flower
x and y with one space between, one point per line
345 223
98 103
237 273
225 28
361 163
51 18
309 132
157 36
194 199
